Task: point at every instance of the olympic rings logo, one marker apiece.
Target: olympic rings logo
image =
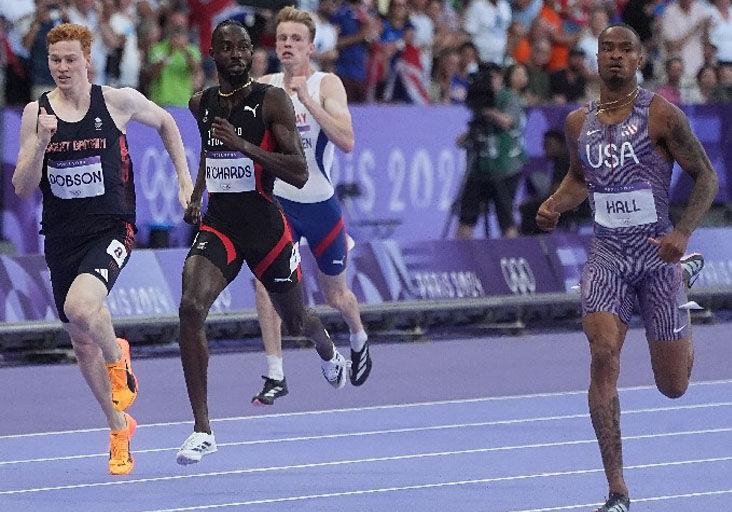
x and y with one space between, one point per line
518 275
158 183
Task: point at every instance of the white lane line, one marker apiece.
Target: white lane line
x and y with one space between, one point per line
269 469
412 429
450 484
361 409
649 499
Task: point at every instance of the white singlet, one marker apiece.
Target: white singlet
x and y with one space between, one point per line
318 148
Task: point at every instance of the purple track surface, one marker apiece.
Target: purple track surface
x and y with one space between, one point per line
480 424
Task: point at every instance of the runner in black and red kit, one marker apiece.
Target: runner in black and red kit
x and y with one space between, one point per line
248 138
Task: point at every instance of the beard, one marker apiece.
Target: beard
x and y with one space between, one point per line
235 79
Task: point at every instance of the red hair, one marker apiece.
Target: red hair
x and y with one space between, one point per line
71 32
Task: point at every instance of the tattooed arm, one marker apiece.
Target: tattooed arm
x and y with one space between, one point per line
673 133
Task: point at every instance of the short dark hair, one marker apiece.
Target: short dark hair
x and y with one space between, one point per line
625 26
226 23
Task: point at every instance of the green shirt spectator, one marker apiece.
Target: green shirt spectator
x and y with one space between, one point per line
174 66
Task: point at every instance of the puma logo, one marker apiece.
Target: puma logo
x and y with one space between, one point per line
294 263
253 110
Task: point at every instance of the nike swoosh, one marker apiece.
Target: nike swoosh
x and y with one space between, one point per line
592 131
676 331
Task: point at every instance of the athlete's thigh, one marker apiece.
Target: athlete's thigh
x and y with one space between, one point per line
213 261
86 290
605 288
108 254
604 330
63 268
271 254
100 257
324 228
661 295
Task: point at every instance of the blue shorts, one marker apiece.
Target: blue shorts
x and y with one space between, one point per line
322 225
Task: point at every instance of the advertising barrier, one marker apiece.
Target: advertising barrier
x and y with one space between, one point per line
403 175
379 272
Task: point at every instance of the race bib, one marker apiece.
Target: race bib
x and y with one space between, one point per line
76 179
625 206
229 171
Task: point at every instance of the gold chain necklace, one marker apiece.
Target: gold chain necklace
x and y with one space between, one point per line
616 104
228 94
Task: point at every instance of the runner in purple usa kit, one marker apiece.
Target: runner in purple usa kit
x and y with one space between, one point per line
623 148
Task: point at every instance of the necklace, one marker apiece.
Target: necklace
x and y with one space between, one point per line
619 103
229 94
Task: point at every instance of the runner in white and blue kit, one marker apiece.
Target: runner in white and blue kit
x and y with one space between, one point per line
622 150
313 212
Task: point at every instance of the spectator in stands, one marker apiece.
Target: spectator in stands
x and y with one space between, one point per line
446 27
450 85
515 37
723 91
469 60
720 30
684 26
48 15
148 35
356 31
86 13
404 80
561 41
525 11
539 88
522 47
174 65
710 54
569 85
424 34
487 23
260 63
123 60
643 16
671 90
706 86
326 37
17 17
599 21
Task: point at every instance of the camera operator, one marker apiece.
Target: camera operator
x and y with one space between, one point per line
494 145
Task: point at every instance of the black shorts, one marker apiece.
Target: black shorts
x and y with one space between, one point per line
103 255
266 246
480 189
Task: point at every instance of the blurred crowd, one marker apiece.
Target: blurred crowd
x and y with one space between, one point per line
390 51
